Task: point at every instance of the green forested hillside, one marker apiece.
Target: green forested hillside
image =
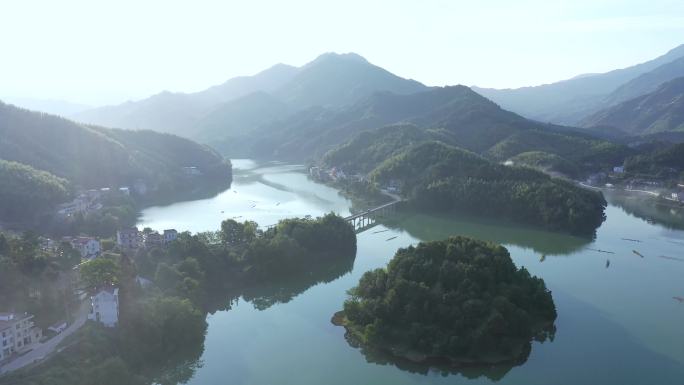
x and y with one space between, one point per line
576 148
96 157
370 148
25 191
436 176
662 162
457 112
544 161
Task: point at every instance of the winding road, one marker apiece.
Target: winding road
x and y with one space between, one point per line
42 350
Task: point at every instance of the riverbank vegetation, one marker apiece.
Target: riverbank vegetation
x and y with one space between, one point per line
34 280
160 336
459 301
436 176
662 162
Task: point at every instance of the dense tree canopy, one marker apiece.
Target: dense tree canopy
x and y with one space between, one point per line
26 191
34 280
100 272
460 299
436 176
98 157
663 161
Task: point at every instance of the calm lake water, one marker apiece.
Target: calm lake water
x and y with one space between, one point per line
617 325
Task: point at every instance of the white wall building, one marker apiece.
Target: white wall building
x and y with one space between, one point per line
170 235
17 334
104 307
128 239
88 247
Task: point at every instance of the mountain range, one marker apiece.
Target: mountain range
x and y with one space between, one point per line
308 110
570 101
655 112
331 80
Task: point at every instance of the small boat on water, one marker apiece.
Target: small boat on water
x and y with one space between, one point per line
380 231
637 253
389 239
543 258
631 240
601 251
680 299
607 263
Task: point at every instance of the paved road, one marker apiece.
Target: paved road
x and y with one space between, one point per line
41 350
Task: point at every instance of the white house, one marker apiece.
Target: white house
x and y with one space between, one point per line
87 246
17 334
78 205
128 239
678 196
170 235
619 169
104 307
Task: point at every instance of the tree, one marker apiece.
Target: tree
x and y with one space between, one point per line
68 257
100 272
460 298
234 233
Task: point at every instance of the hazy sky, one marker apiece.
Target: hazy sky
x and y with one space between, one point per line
96 52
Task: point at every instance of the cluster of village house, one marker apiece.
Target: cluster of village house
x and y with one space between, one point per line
89 200
335 174
19 334
602 179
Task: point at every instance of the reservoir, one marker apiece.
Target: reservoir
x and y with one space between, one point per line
620 320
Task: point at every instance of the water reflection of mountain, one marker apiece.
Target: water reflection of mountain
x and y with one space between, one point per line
285 289
491 372
649 209
428 227
282 290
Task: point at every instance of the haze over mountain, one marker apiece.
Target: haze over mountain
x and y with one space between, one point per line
646 83
329 80
358 136
478 122
50 106
655 112
176 112
568 101
91 156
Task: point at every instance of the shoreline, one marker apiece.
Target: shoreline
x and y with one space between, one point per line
414 357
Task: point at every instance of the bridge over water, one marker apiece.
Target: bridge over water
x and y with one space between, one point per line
366 219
